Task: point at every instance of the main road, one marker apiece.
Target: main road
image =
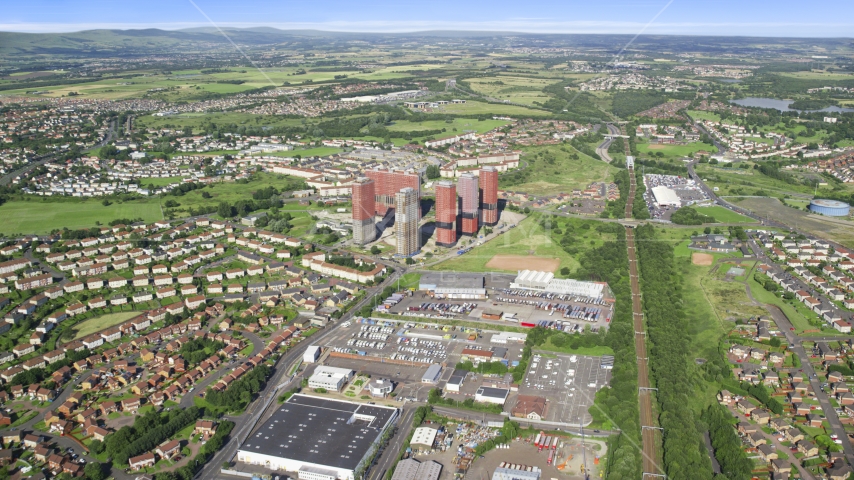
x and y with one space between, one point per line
279 381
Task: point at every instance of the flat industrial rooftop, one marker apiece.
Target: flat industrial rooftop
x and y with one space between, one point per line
322 431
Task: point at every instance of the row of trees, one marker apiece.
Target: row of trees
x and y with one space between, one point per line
618 404
685 455
239 394
690 216
726 444
147 432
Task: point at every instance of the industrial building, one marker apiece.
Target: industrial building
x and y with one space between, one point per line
412 469
312 353
666 197
388 183
330 378
318 438
423 438
446 213
434 371
452 285
469 203
545 281
364 207
406 218
489 195
491 395
502 473
831 208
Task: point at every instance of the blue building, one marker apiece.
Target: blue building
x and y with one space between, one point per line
831 208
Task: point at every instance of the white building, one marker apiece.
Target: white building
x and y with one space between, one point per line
312 353
330 378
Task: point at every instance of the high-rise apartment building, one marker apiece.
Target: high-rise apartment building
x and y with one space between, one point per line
470 201
406 218
364 207
446 213
388 183
489 195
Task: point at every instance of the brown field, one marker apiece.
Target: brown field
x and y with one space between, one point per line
704 259
523 262
656 146
837 229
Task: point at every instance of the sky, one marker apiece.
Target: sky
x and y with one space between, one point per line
777 18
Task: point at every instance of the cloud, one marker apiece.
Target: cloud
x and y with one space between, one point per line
521 25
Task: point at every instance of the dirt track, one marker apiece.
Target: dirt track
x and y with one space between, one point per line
523 262
703 259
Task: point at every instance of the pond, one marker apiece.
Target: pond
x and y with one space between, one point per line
781 105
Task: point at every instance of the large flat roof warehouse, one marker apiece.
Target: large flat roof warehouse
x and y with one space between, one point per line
308 431
666 196
534 280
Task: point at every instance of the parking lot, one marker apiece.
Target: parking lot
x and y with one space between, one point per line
569 382
565 312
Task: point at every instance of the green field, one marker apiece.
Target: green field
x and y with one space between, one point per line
160 181
698 115
455 125
724 215
538 176
527 236
515 89
41 215
672 151
100 323
476 108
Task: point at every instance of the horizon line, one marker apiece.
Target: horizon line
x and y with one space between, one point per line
395 28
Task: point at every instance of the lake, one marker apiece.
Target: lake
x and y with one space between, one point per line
782 105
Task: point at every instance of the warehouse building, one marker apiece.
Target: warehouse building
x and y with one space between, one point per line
412 469
491 395
330 378
318 438
666 196
545 281
515 474
423 438
452 285
432 374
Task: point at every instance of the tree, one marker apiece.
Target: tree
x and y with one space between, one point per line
224 210
94 471
410 261
96 446
375 250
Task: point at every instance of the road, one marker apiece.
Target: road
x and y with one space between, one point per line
602 149
390 454
245 423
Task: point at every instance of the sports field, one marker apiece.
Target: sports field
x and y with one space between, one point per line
100 323
40 215
160 181
523 262
724 215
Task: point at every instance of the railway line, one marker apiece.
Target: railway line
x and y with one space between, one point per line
650 431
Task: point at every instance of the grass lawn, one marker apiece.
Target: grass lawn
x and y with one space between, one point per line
100 323
41 215
160 181
800 318
540 175
675 150
528 236
698 115
724 215
592 351
410 280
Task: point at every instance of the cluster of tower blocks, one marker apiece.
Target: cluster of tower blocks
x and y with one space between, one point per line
461 209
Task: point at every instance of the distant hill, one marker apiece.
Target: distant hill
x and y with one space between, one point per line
101 43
